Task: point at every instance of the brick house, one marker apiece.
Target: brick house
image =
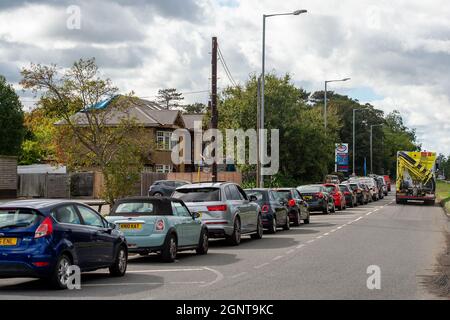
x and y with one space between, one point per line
159 124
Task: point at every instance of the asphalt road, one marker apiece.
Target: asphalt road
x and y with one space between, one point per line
327 259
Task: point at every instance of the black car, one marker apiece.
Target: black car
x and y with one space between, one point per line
273 208
165 188
317 197
47 238
298 208
350 196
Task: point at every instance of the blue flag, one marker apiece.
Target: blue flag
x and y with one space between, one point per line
365 167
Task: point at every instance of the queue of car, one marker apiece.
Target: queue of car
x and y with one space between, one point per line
47 238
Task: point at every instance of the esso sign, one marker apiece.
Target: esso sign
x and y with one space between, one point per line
342 148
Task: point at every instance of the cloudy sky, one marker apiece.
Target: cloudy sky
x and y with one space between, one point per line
397 53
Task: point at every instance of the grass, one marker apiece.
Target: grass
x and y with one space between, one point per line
443 194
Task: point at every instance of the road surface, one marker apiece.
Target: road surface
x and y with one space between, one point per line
327 259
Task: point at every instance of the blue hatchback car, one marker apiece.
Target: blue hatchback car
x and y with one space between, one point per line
44 238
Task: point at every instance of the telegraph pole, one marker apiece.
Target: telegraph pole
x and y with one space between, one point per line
214 113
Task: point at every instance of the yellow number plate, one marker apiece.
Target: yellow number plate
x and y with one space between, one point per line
131 226
307 197
8 241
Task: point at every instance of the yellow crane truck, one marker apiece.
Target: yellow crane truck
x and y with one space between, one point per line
416 178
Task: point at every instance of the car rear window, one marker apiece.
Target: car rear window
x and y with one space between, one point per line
260 195
309 189
343 188
143 208
197 194
285 194
353 186
330 189
19 218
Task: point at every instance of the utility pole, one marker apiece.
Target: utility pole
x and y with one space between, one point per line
214 113
258 126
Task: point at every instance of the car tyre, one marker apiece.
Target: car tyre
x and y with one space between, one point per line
333 209
235 238
259 230
273 226
119 268
297 219
169 250
203 243
287 225
60 277
326 210
306 221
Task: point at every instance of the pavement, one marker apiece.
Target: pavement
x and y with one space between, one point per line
327 259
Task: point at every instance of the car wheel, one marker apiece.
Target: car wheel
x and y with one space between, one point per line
259 230
273 227
119 268
169 250
235 238
61 273
203 243
306 221
326 210
287 225
333 208
297 219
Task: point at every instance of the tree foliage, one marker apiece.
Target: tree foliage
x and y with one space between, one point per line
84 137
11 120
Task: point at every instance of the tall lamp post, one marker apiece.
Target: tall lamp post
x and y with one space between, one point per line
325 99
371 152
354 151
261 117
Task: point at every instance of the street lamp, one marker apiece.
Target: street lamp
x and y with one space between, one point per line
325 98
261 120
371 154
354 151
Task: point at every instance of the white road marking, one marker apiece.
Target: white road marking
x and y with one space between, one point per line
141 283
319 237
290 251
219 277
261 265
334 230
238 275
165 270
310 241
300 246
325 234
277 258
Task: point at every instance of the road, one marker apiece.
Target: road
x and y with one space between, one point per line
327 259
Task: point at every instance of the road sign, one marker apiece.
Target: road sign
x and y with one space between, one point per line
341 157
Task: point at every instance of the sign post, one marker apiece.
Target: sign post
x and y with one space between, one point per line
341 157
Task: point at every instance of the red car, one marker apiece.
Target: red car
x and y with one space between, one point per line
388 182
338 196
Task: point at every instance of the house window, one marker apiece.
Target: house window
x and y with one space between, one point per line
163 140
163 168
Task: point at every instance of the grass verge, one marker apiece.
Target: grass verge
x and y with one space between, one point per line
443 195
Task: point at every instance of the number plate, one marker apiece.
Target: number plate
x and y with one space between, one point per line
131 226
307 197
8 241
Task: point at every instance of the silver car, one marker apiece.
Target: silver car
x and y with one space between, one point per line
224 208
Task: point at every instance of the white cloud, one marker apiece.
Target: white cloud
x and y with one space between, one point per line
399 50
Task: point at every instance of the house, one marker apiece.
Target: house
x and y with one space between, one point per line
159 123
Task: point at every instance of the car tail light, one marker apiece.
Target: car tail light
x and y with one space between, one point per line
319 195
222 207
291 203
159 226
265 208
347 193
41 264
44 229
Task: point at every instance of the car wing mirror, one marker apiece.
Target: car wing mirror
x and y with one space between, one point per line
252 198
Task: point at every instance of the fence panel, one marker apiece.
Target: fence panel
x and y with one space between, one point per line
82 184
147 179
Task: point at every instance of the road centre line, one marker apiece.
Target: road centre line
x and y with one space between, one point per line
238 275
165 270
300 246
261 265
290 251
277 258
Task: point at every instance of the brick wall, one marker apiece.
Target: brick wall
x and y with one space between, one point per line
8 177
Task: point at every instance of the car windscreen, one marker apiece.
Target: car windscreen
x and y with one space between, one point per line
330 189
353 186
17 218
143 208
343 188
309 189
197 194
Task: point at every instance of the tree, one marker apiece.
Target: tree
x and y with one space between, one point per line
85 138
11 120
169 98
195 108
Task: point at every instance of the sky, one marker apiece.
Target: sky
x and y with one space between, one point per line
397 53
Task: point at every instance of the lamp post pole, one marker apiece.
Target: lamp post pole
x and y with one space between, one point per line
325 99
261 148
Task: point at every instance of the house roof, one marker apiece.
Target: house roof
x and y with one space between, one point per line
145 112
190 119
